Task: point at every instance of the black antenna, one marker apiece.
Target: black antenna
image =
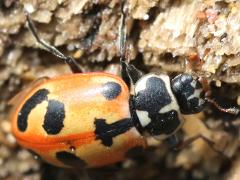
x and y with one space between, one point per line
122 46
233 110
123 34
69 60
128 71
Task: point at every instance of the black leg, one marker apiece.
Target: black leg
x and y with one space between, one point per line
183 144
69 60
173 141
128 72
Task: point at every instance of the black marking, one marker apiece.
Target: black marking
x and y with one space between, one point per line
134 116
111 90
152 100
165 123
54 117
154 97
37 98
70 159
106 132
183 89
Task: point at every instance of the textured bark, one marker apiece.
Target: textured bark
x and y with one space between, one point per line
171 36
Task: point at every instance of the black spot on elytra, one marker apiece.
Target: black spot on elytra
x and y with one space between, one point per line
106 132
37 98
111 90
152 99
54 117
183 89
70 159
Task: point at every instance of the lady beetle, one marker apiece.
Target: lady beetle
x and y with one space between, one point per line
91 120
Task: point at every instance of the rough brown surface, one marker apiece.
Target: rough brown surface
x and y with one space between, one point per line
201 37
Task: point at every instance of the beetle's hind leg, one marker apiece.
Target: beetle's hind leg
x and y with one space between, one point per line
75 68
128 71
179 144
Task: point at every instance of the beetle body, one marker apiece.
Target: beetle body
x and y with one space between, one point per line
85 120
80 120
91 120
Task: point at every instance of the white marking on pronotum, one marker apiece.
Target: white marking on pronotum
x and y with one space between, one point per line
141 84
173 105
143 117
169 107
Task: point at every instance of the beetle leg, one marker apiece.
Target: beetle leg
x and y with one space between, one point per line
183 144
128 71
173 141
53 50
